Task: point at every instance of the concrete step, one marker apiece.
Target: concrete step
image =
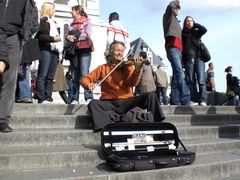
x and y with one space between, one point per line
205 167
229 177
45 137
23 158
201 109
84 121
34 109
57 142
51 121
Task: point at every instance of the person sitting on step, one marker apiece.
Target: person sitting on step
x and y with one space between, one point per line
117 94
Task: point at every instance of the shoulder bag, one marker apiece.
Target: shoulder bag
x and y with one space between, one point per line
204 53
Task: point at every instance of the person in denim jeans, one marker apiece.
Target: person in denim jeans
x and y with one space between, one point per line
23 91
48 38
173 44
193 63
80 63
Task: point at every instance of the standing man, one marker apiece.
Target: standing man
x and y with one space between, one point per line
173 44
19 21
116 32
161 81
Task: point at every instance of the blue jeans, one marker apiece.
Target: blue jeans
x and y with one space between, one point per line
46 71
179 89
79 71
8 79
23 86
195 71
161 95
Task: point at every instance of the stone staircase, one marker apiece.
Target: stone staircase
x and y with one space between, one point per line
53 141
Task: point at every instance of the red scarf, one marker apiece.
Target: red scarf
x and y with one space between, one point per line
77 22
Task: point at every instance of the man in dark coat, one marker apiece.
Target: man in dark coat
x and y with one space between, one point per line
17 23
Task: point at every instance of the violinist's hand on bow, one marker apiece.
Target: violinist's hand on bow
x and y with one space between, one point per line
138 63
91 86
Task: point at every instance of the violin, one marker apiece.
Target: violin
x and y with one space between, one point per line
125 61
131 62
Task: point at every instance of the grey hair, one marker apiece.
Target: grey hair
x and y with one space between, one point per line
113 44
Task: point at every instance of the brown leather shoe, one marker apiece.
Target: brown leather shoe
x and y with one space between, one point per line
5 128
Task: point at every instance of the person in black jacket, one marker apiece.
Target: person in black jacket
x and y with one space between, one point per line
48 37
232 87
16 25
194 65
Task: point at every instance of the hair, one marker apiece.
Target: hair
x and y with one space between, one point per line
114 43
143 54
210 64
80 10
45 9
160 65
113 16
185 21
228 69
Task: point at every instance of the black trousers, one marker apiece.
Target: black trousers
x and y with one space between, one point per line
101 110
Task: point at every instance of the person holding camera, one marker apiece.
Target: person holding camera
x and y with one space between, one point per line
146 82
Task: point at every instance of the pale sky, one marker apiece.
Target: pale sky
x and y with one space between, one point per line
221 18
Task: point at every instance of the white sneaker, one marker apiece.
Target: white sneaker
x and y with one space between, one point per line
193 103
74 102
86 102
203 104
46 102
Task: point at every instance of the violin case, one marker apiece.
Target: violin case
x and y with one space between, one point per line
143 146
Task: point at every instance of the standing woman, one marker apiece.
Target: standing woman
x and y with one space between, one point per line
48 38
80 63
194 65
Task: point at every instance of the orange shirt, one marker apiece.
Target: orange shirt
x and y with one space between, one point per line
118 85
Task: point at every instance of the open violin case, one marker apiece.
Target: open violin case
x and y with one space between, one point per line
143 146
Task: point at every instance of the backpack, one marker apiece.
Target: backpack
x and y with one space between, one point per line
236 87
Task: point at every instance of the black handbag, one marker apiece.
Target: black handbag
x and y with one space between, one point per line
143 146
204 53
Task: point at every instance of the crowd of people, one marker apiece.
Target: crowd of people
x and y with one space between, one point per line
124 86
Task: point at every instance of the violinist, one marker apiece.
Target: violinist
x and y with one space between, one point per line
117 89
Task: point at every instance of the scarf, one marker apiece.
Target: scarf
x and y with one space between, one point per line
77 23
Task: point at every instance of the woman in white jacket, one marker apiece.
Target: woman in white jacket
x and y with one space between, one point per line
116 32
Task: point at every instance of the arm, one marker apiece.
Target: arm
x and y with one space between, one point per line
90 80
169 17
133 74
199 30
3 51
43 32
110 38
86 30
